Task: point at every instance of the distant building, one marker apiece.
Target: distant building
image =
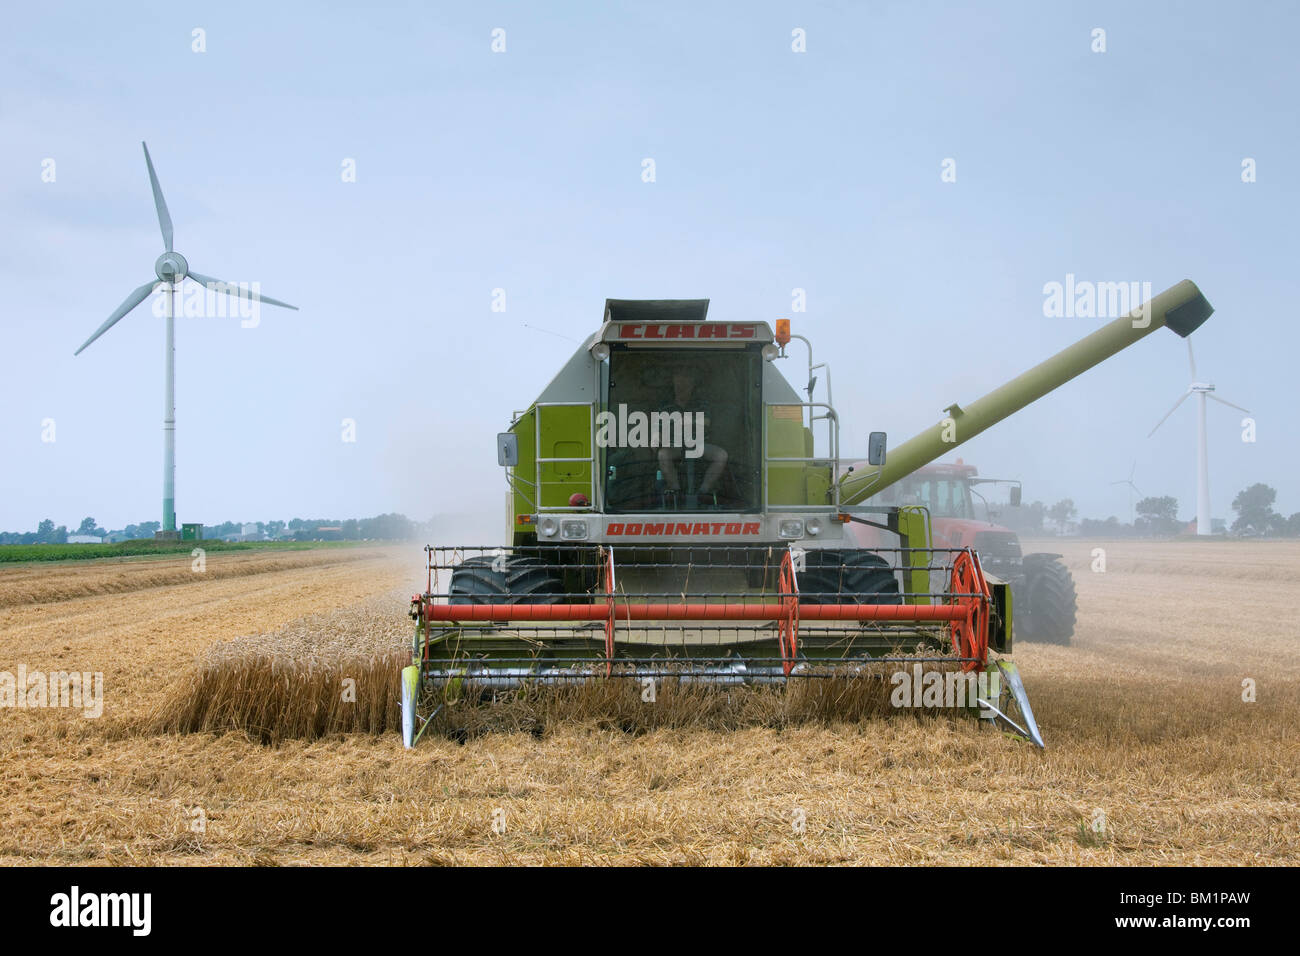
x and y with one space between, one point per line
84 539
248 532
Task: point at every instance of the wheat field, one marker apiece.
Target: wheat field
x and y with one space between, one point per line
1153 755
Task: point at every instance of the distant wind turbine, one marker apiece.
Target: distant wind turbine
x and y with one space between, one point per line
1132 488
1202 390
171 269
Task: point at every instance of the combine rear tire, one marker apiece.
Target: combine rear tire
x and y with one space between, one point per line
512 579
1045 608
847 577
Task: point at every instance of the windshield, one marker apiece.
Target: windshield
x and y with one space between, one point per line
945 497
679 429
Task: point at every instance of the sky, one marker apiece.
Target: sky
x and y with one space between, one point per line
385 169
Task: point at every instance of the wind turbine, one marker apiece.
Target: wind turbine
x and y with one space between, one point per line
1202 390
171 269
1132 488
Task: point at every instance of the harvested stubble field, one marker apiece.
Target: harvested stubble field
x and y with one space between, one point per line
1143 716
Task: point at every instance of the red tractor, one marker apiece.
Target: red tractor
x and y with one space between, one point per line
1042 587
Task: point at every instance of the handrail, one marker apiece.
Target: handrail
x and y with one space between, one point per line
831 417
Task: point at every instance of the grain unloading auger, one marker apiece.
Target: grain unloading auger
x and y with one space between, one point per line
678 513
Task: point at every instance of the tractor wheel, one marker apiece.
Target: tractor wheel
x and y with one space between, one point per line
847 577
1046 607
512 579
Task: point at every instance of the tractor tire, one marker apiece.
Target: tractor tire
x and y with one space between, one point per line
1046 606
513 579
847 577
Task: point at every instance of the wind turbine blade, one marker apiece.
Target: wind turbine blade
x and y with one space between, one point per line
129 303
1135 487
230 288
1170 412
1224 401
164 217
1191 359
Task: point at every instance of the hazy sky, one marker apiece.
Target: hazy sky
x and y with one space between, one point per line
522 171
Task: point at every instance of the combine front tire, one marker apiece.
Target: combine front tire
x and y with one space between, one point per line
505 579
1045 608
847 577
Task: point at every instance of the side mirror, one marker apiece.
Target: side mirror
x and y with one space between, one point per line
507 449
1015 496
876 448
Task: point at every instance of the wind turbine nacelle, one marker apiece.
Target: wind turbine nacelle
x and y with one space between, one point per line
171 267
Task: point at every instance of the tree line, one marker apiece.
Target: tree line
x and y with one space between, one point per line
385 527
1155 516
1158 515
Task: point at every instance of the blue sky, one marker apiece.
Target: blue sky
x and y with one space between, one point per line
522 170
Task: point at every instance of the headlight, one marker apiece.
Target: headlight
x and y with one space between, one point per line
770 352
600 351
814 526
547 527
573 529
791 528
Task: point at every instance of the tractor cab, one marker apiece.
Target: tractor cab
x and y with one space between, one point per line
943 489
950 490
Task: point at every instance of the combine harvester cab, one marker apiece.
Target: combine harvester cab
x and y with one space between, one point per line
678 512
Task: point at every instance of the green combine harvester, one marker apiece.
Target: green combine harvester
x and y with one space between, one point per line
678 511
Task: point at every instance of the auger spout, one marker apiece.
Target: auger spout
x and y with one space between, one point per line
1182 308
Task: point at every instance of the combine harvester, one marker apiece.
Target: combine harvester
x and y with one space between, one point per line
672 517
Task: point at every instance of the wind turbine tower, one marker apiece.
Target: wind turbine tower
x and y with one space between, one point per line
1202 391
1131 489
171 270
